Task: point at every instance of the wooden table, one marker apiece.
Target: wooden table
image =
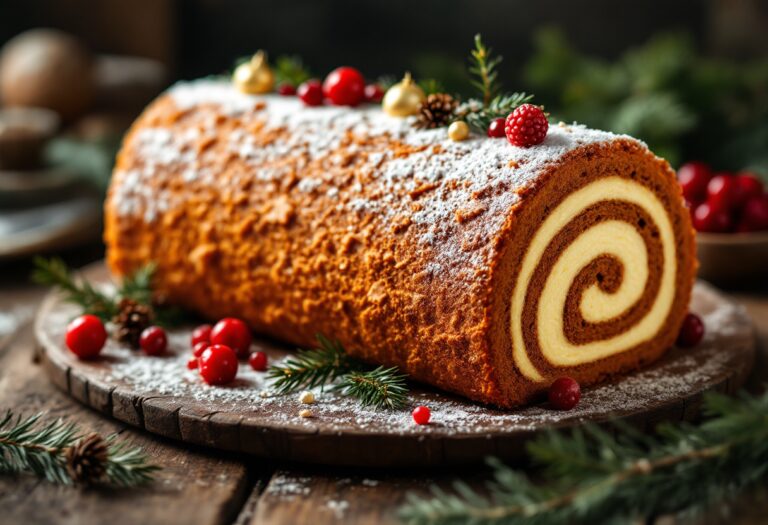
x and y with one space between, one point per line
199 486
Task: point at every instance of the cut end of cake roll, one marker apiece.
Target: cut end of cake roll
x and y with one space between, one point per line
479 267
594 273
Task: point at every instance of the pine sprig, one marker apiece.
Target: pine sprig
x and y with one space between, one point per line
138 285
592 475
54 272
290 70
480 116
311 368
483 69
378 388
26 445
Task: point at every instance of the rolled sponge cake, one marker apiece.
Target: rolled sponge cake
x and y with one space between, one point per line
478 267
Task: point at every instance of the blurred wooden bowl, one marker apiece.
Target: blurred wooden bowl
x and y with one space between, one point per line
733 258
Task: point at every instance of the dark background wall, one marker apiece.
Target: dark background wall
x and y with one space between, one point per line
198 37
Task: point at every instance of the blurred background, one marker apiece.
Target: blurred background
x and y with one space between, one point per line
690 78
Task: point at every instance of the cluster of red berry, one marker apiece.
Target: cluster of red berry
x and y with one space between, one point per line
344 86
723 202
526 126
216 349
86 336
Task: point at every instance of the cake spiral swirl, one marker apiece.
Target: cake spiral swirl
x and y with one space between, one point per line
478 267
595 281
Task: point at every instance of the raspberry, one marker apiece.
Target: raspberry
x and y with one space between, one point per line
526 126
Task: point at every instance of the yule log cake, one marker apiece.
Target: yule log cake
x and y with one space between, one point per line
482 268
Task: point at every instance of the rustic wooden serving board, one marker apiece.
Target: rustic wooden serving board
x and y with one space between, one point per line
160 395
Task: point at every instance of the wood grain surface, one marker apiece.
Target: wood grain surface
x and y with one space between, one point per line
203 486
276 432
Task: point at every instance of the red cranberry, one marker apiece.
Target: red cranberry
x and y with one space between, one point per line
754 216
287 90
344 86
694 177
201 334
705 219
199 348
218 365
233 333
192 363
723 193
311 93
564 393
421 415
258 361
749 185
373 93
496 128
153 340
86 336
691 331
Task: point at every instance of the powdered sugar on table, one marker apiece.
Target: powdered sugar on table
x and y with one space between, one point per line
680 374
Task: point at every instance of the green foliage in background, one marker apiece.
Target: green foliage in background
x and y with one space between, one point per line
685 106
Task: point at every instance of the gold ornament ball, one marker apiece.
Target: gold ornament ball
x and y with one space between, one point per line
404 98
255 76
458 131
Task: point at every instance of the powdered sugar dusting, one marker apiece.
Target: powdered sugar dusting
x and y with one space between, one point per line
452 182
682 373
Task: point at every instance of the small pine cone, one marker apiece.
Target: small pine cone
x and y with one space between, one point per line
437 111
131 320
87 459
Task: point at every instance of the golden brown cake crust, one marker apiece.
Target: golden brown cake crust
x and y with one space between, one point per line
402 246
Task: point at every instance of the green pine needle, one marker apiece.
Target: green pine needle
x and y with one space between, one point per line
311 368
378 388
27 445
483 69
591 475
480 116
138 285
290 70
54 272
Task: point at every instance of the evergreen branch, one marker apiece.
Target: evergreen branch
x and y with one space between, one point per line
290 70
311 368
378 388
54 272
128 467
591 475
138 285
480 116
483 68
26 445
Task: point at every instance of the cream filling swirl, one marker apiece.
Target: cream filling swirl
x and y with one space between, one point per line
612 237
